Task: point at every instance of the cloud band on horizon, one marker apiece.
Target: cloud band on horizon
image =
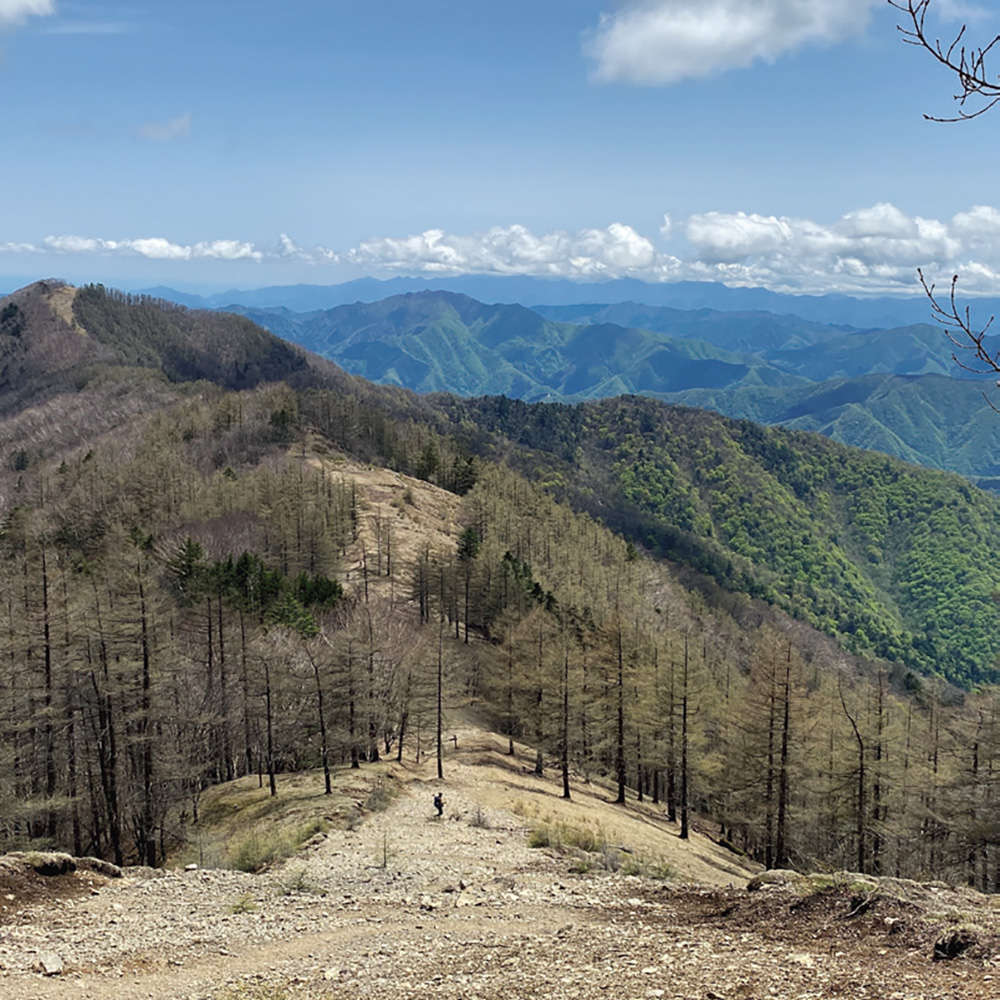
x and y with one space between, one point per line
869 251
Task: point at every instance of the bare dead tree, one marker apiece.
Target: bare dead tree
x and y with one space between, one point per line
979 89
966 336
978 86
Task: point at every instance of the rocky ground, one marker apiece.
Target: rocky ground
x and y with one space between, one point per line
407 905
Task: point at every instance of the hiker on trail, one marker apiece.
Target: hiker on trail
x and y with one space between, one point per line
439 803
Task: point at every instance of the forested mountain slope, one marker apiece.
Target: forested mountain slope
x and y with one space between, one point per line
205 583
932 420
813 350
54 337
439 341
895 390
892 559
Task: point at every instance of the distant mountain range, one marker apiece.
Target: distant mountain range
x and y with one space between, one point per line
883 311
108 401
894 390
891 388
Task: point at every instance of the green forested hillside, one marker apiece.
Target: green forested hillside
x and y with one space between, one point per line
932 420
911 350
204 583
895 390
793 345
895 559
442 342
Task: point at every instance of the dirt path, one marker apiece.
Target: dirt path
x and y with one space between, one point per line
410 906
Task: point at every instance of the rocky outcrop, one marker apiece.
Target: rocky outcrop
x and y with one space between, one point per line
99 867
55 863
41 862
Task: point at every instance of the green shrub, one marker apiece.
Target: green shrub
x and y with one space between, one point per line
245 904
309 829
297 883
254 852
539 837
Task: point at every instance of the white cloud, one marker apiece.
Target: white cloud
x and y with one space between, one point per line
662 41
11 247
174 128
959 10
16 11
874 249
612 252
77 244
289 248
726 236
155 248
882 219
870 250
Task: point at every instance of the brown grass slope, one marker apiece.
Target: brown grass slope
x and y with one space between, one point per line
76 364
54 337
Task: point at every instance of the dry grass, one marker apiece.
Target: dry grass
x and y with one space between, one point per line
419 513
635 837
242 826
61 302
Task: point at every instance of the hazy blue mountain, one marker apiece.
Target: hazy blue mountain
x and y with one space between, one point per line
908 350
895 390
747 331
813 350
833 309
439 341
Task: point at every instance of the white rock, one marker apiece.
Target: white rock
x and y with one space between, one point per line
49 964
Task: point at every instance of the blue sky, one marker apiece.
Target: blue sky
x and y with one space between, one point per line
216 144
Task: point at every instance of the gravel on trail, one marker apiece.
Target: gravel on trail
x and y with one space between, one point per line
408 905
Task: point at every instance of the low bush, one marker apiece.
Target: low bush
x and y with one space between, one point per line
255 851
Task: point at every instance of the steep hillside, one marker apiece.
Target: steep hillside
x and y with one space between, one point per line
897 390
50 329
78 363
945 423
207 584
41 343
890 557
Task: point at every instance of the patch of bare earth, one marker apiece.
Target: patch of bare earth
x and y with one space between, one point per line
61 298
398 515
408 905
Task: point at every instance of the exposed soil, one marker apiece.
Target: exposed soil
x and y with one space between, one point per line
407 905
21 892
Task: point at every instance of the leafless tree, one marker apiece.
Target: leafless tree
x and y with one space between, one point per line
968 337
979 89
